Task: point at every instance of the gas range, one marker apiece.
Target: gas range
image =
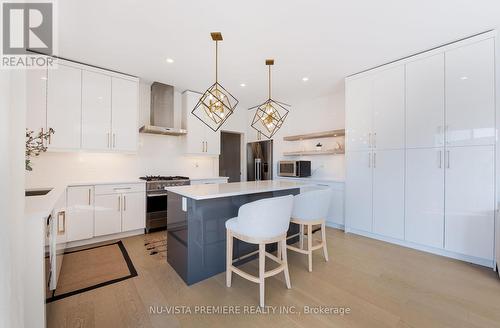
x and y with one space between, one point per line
156 198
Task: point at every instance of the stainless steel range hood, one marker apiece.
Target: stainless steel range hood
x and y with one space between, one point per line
163 115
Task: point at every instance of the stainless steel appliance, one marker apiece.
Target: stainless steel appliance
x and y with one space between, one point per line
156 199
294 169
260 160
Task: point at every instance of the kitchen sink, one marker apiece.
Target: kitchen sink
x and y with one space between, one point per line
37 192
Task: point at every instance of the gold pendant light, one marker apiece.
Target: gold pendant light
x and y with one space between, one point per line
216 104
270 115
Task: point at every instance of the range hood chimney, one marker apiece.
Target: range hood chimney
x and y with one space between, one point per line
163 114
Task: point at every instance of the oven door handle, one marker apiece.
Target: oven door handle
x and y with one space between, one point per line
156 195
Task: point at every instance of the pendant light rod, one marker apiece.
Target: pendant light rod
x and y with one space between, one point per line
269 63
216 36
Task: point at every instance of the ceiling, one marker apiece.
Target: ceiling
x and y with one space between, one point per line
322 40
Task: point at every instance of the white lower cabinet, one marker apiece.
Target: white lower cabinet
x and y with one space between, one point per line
359 190
388 193
425 196
80 213
108 214
469 201
134 207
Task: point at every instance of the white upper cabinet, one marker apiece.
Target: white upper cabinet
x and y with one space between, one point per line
359 115
389 108
470 94
358 191
96 111
200 139
125 104
388 192
425 196
425 102
470 201
64 106
36 94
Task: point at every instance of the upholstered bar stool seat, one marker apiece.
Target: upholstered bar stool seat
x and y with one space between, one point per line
261 222
309 209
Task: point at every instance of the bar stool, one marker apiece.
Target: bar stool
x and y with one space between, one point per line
310 208
261 222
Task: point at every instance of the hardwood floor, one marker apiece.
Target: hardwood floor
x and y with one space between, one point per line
384 285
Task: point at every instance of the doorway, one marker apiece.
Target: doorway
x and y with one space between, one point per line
230 156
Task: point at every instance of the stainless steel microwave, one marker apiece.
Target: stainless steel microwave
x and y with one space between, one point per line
294 169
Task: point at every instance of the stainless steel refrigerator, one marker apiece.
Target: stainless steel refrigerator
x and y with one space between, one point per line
260 160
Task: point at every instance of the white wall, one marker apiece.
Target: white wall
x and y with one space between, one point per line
312 115
12 114
156 155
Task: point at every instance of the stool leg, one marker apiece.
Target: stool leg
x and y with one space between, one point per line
323 240
309 246
301 237
262 269
279 252
285 264
229 257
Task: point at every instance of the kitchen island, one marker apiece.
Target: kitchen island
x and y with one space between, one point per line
196 224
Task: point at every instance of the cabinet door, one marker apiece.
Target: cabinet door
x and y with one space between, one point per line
134 211
212 142
36 96
470 94
196 136
64 106
108 214
336 211
389 108
358 203
425 102
96 111
388 193
124 114
425 196
80 213
359 113
469 201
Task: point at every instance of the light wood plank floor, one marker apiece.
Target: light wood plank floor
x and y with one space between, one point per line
384 286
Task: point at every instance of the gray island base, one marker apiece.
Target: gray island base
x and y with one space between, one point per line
196 227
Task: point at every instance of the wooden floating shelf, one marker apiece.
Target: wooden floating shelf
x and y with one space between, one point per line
316 135
314 152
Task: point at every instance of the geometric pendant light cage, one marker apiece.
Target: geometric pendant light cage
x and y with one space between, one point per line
216 104
270 115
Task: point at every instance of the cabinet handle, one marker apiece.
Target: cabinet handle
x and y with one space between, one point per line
203 146
374 160
114 140
63 214
90 192
370 160
446 134
124 203
50 139
374 144
440 154
108 137
448 162
119 203
206 146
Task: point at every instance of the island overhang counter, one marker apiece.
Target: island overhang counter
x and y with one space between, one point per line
196 217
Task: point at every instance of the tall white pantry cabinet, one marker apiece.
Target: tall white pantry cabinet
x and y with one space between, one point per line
421 142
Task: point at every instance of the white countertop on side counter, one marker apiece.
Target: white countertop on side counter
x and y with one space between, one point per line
212 178
209 191
40 207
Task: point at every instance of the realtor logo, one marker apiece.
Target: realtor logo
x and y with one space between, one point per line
27 26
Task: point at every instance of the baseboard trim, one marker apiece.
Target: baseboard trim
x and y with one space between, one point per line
334 225
427 249
101 239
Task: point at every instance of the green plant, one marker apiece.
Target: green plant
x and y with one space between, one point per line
35 145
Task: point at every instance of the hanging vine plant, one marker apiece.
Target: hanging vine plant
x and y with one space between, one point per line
35 145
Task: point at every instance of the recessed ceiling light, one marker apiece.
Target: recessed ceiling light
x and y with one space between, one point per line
243 85
170 60
305 79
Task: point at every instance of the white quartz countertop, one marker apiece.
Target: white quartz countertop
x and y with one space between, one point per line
40 207
209 191
212 178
